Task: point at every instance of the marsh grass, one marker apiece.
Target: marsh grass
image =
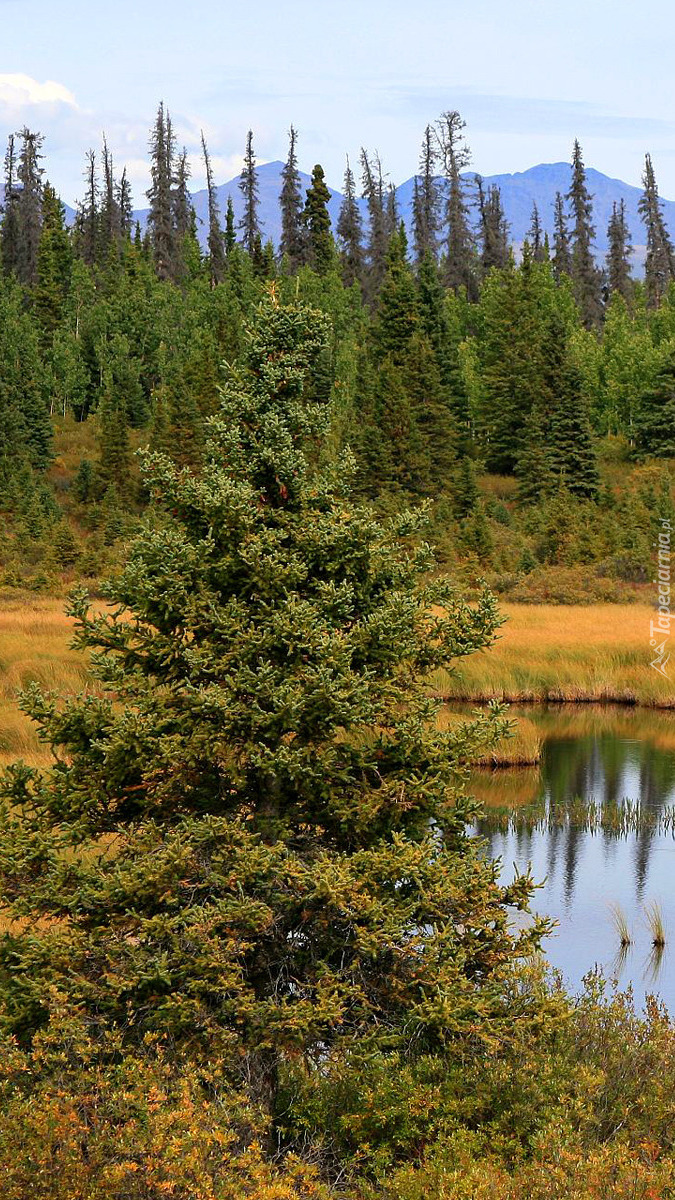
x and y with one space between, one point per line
577 653
655 924
620 923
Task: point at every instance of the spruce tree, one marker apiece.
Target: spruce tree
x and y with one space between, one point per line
376 249
586 278
292 245
459 264
396 318
316 220
660 261
53 265
114 458
562 254
87 224
248 184
161 224
215 237
654 418
618 258
535 236
426 200
493 226
29 204
293 874
350 233
110 217
573 454
9 231
230 228
533 468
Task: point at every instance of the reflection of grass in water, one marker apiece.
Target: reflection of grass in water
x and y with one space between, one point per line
656 925
586 815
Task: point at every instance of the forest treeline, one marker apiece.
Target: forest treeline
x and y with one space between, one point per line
449 359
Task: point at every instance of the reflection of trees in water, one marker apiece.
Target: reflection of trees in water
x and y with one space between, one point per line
601 768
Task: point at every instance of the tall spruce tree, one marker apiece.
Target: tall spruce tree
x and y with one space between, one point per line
350 233
110 217
215 235
586 278
29 174
535 236
87 223
459 263
292 245
660 261
426 200
9 231
248 184
493 227
293 873
562 253
619 254
53 266
376 248
316 220
161 224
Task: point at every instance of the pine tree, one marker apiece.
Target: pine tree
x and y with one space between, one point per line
215 238
350 233
316 219
292 245
586 278
9 232
426 200
619 254
660 261
459 255
29 205
248 184
562 254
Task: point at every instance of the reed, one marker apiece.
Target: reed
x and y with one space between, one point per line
620 924
655 924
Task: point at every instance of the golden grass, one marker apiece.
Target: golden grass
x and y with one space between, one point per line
34 647
596 652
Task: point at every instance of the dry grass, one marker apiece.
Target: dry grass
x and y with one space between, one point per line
586 653
34 647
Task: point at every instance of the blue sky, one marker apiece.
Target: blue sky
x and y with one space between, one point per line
528 76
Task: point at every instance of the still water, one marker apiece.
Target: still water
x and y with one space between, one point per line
596 821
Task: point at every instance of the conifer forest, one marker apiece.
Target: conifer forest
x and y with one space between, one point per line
283 495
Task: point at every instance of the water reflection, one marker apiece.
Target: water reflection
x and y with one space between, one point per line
596 820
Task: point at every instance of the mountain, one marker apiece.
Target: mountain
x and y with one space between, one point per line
519 192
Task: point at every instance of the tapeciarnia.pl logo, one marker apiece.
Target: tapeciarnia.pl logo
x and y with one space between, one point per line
659 631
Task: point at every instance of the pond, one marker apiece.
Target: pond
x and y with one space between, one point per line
596 821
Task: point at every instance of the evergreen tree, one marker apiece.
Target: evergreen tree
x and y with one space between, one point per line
316 219
125 205
87 223
534 468
562 254
160 195
396 318
433 314
660 261
25 428
9 232
654 427
586 278
53 265
293 871
29 205
535 236
110 217
114 460
465 494
620 250
459 255
573 455
350 233
493 226
292 245
230 228
426 200
376 249
215 238
183 212
248 184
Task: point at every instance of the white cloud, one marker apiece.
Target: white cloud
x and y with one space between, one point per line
18 92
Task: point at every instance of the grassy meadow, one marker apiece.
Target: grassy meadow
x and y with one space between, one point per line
579 653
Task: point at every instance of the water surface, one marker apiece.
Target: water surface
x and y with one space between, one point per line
596 820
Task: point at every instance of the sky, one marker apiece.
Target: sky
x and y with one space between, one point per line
528 76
